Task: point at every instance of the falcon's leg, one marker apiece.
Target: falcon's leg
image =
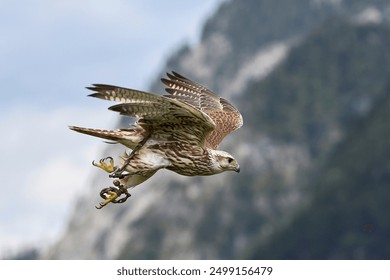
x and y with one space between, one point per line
111 194
118 172
103 165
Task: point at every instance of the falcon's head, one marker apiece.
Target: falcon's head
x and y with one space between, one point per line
223 161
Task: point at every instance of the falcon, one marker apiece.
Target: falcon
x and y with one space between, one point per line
179 131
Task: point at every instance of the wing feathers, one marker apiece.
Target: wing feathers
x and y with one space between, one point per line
156 112
119 94
225 116
140 110
187 103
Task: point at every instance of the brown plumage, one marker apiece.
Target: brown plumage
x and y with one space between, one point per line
179 131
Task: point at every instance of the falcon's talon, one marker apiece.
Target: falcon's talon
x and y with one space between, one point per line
103 165
109 197
111 194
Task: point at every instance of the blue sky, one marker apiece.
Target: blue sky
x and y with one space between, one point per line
49 51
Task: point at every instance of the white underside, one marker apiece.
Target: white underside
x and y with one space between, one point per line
131 181
157 161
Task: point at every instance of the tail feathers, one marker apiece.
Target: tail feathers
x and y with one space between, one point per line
128 137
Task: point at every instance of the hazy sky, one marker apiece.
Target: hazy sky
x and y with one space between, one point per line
49 51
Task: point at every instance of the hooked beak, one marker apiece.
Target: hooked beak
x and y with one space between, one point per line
238 169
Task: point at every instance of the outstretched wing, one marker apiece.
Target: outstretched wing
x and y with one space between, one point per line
225 116
163 119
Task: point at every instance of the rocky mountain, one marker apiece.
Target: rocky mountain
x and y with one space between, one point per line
346 217
340 109
311 79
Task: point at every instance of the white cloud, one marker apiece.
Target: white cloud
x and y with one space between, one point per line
50 43
56 181
44 167
90 11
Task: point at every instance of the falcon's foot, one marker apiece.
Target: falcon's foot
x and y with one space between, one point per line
111 194
119 171
108 167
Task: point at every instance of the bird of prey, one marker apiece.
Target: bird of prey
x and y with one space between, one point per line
179 131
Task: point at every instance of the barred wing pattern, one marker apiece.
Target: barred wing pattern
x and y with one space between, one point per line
162 118
224 115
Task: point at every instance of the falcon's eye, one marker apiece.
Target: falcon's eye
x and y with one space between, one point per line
230 160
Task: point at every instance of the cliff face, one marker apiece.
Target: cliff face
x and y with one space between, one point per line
310 80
